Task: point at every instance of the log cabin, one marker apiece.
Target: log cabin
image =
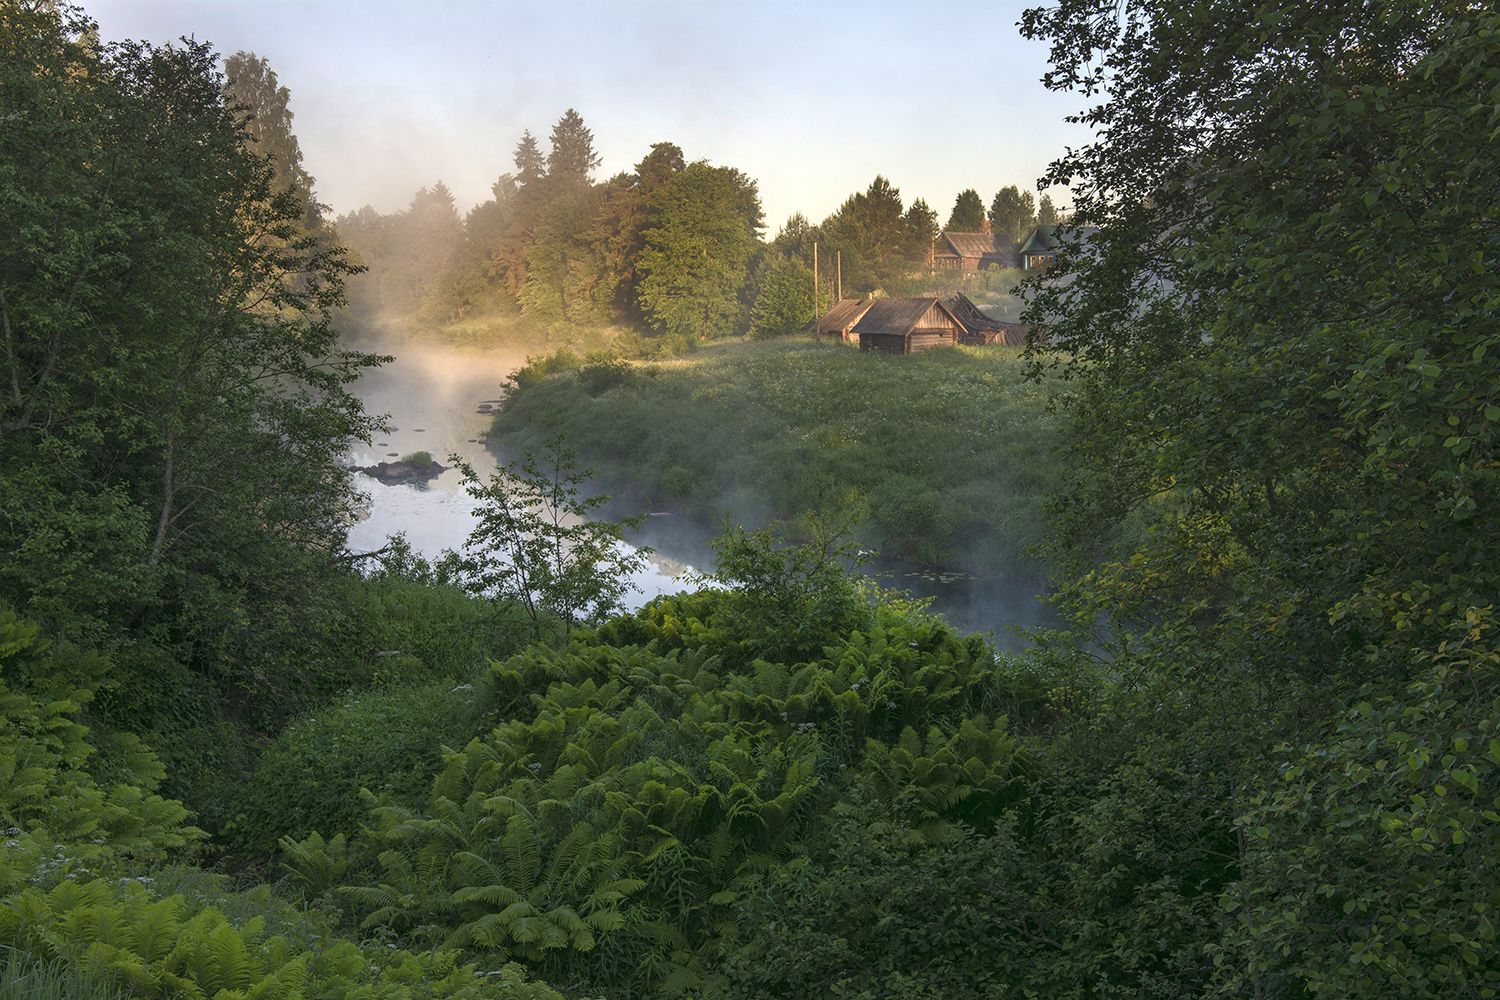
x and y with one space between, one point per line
906 326
839 321
972 252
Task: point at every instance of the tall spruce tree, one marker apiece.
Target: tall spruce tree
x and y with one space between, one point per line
968 213
572 158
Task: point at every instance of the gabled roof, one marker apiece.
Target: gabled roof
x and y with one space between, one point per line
979 245
898 316
843 315
1043 239
970 315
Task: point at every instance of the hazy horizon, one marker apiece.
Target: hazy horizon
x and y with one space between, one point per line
811 102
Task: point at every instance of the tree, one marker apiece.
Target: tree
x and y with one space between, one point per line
175 409
1283 380
252 89
572 159
875 236
921 224
1012 213
784 303
704 233
531 166
539 543
1046 212
968 213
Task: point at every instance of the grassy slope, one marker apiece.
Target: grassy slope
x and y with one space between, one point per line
942 455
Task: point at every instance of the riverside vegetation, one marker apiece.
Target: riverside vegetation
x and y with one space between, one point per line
231 766
942 457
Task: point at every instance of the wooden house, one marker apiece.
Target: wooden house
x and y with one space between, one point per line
906 326
1040 248
839 321
971 252
981 328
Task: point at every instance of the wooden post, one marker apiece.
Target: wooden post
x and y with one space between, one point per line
838 258
817 335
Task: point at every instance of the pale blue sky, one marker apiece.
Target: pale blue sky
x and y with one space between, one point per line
811 99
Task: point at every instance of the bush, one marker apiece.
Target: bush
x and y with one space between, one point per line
418 458
309 780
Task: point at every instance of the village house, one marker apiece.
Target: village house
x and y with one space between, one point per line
971 252
839 321
1039 250
906 326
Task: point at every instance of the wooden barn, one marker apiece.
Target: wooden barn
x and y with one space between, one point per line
981 328
839 321
906 326
971 252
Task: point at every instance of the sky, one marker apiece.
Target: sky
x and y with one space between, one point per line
813 99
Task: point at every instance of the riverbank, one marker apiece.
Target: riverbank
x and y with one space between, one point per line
940 458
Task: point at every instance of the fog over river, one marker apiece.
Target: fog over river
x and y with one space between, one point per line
432 395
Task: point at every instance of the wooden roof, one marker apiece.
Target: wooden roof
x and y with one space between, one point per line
899 316
843 315
978 245
971 316
1043 239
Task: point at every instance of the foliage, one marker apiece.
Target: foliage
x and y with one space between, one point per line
783 303
26 978
943 453
1278 350
878 239
1013 213
389 741
638 778
117 932
539 545
705 230
69 803
968 213
251 87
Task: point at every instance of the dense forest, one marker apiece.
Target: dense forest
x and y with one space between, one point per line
1261 760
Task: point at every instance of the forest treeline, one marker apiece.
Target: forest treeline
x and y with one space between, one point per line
1261 760
672 249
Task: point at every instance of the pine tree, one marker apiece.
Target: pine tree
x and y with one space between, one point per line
968 213
531 167
572 159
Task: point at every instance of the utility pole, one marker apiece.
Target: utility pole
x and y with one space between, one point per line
838 260
816 334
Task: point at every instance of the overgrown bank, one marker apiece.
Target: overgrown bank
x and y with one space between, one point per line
941 457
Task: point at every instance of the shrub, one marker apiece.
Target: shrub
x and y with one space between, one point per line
309 780
418 458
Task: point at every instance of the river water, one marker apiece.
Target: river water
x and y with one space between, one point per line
431 395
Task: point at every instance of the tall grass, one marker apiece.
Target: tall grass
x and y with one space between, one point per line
942 457
24 977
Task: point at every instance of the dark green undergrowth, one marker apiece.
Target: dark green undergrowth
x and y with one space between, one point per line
942 457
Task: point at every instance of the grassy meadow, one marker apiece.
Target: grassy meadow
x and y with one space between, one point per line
940 457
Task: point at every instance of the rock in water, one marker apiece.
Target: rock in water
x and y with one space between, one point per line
404 473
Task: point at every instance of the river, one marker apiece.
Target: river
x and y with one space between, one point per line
432 395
